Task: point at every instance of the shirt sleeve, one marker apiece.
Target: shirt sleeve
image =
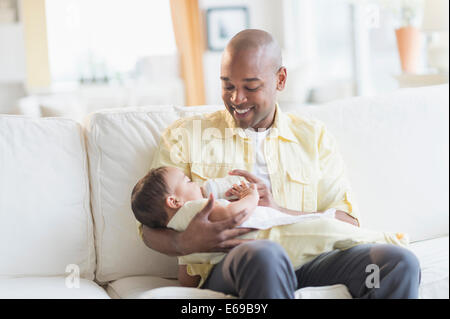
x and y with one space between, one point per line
333 190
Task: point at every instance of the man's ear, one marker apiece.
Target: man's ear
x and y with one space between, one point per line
281 78
173 202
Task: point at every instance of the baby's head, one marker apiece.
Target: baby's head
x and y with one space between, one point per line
158 195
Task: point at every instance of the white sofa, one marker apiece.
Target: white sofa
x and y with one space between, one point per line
65 190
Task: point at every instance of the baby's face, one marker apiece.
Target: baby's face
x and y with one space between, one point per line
181 185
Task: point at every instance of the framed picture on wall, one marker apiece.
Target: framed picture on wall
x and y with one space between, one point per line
8 11
223 23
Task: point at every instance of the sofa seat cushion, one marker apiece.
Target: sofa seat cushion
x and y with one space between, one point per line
433 258
49 288
325 292
133 287
432 254
148 287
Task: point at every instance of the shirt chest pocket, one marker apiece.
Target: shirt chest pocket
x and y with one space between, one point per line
300 190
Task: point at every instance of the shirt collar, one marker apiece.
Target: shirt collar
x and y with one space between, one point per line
280 127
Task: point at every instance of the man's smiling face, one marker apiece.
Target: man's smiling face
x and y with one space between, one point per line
249 85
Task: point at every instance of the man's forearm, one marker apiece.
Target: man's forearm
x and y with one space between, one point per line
165 241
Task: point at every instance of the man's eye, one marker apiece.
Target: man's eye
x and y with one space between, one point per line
252 89
229 88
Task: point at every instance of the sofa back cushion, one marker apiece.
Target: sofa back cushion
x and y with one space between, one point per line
396 150
45 219
121 144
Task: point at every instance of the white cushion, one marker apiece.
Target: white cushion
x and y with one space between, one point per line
323 292
45 220
433 258
183 293
121 144
396 150
49 288
147 287
134 287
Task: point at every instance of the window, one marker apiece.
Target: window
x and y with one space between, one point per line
105 39
333 25
319 48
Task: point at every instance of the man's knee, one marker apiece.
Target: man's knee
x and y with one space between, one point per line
409 263
401 259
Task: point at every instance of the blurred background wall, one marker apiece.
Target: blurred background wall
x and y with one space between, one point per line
72 57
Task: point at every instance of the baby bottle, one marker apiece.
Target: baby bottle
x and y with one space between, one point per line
219 186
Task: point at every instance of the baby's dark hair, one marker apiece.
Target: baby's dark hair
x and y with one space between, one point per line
148 196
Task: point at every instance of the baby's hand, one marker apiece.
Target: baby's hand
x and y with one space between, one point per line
243 190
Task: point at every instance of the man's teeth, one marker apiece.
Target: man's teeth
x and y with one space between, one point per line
242 111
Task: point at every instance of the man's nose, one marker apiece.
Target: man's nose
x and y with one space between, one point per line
238 97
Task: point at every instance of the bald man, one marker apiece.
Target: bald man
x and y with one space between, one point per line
297 169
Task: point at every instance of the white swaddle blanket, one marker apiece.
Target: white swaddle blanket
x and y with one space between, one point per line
267 217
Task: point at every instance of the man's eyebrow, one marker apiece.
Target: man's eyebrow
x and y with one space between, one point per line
251 79
223 78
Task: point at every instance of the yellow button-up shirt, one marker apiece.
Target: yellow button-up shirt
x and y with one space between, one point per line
306 171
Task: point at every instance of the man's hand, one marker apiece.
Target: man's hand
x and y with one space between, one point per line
243 190
202 235
266 198
265 195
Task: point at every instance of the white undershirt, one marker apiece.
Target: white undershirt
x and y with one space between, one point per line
259 161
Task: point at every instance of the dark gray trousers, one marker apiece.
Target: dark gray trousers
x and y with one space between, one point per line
262 269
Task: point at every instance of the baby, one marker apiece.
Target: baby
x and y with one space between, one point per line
166 197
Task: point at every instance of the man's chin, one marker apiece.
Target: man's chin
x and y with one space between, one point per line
244 124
